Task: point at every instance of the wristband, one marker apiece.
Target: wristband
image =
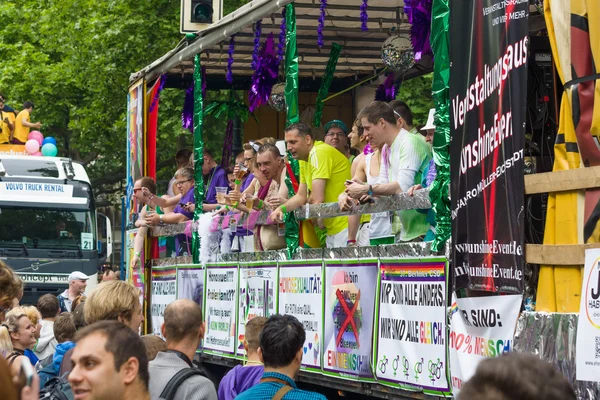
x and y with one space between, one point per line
351 241
227 208
137 254
151 197
161 220
237 182
283 209
236 204
260 204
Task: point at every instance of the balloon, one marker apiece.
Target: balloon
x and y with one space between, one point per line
32 146
49 139
37 153
37 135
49 150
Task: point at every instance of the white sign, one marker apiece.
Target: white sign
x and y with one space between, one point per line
87 241
411 334
258 295
44 278
588 327
481 327
190 284
301 295
164 292
12 189
220 308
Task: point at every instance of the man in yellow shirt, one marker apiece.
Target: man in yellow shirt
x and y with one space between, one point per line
23 124
323 171
7 122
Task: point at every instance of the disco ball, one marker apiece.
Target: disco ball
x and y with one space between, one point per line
397 54
277 98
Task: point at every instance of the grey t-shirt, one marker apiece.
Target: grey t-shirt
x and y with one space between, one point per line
165 366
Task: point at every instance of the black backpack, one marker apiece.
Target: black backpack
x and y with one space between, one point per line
57 388
170 389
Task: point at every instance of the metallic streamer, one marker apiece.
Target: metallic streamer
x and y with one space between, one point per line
438 193
334 55
291 67
198 154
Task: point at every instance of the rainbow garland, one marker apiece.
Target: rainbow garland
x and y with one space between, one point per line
391 271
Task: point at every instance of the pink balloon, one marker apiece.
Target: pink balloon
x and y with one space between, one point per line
37 153
32 146
37 135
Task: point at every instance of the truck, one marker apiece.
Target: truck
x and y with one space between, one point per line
49 225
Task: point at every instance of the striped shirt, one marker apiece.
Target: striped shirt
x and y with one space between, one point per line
266 390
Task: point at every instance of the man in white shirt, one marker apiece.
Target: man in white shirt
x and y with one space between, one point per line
404 159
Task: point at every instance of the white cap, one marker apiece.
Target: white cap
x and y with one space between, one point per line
281 146
429 124
78 276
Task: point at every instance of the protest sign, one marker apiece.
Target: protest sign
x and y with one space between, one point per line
220 308
350 287
190 283
301 295
411 325
588 327
258 295
164 292
481 327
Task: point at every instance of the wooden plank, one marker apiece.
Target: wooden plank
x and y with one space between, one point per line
559 181
561 254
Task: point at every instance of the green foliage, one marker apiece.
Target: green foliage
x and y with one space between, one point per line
416 93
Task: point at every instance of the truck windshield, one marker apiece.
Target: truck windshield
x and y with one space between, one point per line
47 228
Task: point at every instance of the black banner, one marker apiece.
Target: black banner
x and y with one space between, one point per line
488 95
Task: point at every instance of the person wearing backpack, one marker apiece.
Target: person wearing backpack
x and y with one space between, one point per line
172 374
64 332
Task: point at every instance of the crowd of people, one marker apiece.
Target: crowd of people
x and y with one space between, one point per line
95 352
382 155
15 126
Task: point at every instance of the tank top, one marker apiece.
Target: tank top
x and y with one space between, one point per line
381 224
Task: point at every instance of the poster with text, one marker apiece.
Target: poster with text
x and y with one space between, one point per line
190 283
301 295
220 308
481 327
258 295
411 332
588 327
164 292
488 99
350 292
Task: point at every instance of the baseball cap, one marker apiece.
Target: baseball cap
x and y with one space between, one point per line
336 123
430 124
78 276
280 144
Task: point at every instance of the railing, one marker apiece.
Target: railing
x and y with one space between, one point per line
402 201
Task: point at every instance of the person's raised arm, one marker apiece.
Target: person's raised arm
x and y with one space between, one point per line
162 202
138 245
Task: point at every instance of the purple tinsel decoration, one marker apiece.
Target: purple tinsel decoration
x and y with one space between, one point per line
229 75
364 16
321 24
418 13
187 115
430 174
265 75
281 44
163 80
387 90
257 33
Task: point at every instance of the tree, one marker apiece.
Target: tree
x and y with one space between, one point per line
416 93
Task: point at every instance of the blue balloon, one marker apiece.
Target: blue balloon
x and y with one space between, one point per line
49 139
49 150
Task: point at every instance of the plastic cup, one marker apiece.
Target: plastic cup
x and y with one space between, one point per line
221 193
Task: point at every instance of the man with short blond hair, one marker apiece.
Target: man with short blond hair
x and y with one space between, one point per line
115 300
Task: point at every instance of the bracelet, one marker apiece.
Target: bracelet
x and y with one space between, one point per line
350 241
151 197
226 208
161 219
237 182
283 209
260 204
137 254
236 204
